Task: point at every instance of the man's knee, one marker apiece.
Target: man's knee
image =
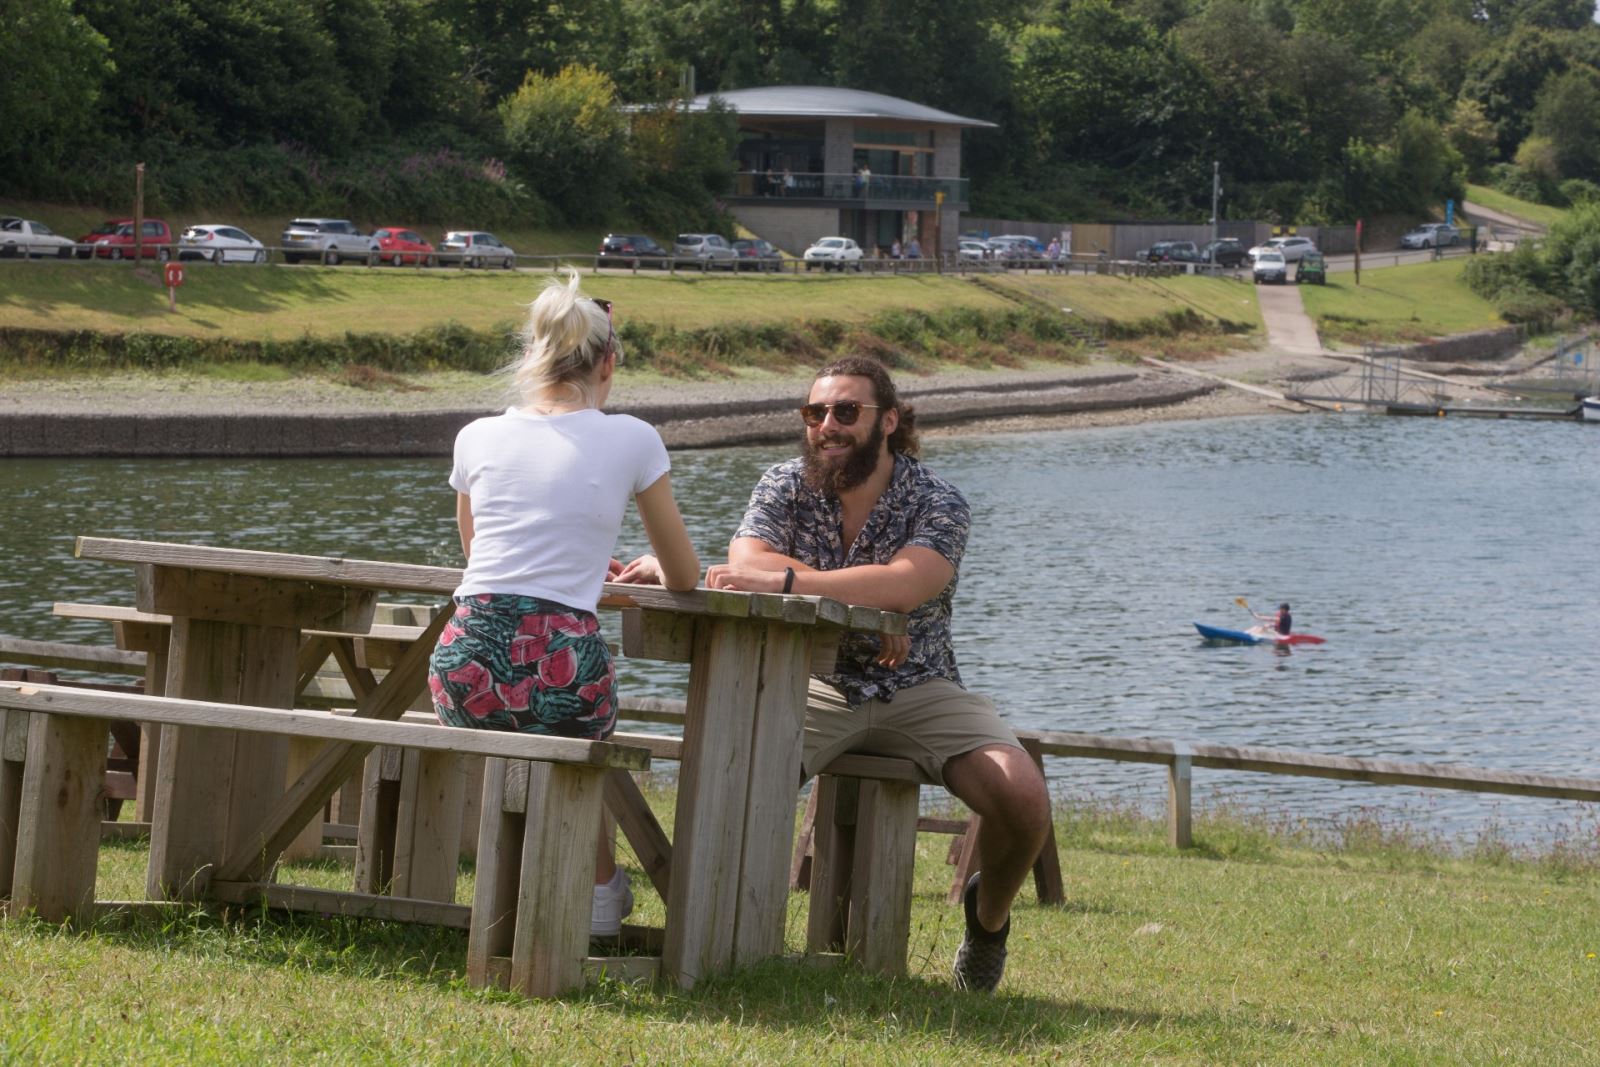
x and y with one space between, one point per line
1002 783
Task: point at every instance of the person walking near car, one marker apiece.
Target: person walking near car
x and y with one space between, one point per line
540 495
857 517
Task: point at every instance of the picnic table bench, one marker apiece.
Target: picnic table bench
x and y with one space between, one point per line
226 808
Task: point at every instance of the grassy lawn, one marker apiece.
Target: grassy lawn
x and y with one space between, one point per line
1406 303
1495 200
1249 949
1126 299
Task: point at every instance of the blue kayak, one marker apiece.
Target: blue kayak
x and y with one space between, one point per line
1223 635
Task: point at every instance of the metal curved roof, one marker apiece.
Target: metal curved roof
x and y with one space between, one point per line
823 101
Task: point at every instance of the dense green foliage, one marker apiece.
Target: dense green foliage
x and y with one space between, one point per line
1536 281
496 110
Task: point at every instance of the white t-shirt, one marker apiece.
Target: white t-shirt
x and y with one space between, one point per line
548 494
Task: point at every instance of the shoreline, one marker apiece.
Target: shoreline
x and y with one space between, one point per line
171 415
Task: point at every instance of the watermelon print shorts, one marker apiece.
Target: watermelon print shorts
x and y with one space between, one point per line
507 662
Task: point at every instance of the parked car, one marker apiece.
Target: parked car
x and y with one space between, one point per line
1291 248
834 253
113 239
1431 235
1270 266
1016 246
219 244
1225 252
710 248
1312 268
1169 252
756 254
476 248
24 237
398 246
972 249
328 240
630 250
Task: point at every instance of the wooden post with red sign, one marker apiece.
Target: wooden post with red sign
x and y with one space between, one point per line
1358 251
173 274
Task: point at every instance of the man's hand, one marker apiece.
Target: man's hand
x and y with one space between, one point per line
643 571
744 577
893 649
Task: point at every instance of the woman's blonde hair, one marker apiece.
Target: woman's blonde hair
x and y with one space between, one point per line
566 336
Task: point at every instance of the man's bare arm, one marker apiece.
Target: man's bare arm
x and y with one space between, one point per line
913 577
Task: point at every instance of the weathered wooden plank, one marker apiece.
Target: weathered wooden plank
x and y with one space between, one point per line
13 757
335 902
638 824
428 825
58 825
714 785
775 752
832 855
556 886
1180 827
58 655
254 600
499 870
622 968
307 843
363 574
657 635
880 894
1047 882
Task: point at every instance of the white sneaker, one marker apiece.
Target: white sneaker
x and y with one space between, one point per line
613 902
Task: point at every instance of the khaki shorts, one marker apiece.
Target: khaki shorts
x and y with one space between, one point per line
929 724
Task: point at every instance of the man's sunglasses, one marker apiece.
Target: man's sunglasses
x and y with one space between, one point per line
611 332
845 412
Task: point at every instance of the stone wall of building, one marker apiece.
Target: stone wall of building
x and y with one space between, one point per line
792 229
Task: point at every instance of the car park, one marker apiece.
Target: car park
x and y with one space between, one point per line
972 249
1225 252
630 250
756 254
399 246
1169 252
476 248
327 240
218 243
1312 269
712 249
1016 246
833 253
114 239
1291 248
25 237
1270 266
1431 235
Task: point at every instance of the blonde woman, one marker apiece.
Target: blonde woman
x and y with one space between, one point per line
540 495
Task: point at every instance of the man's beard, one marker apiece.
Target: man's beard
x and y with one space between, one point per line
837 476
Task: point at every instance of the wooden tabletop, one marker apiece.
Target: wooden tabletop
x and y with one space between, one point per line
443 581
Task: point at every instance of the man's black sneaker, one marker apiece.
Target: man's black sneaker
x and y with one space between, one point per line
981 959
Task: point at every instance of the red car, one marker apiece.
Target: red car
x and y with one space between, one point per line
113 239
400 246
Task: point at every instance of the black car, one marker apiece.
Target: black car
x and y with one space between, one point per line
630 250
1227 252
1169 252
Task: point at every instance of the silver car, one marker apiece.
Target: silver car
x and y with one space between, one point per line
327 240
476 248
1291 248
24 237
1431 235
710 248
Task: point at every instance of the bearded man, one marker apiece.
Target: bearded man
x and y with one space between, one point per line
858 518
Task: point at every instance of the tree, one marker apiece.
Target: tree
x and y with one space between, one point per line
55 66
1567 114
1505 80
567 139
1472 135
1547 14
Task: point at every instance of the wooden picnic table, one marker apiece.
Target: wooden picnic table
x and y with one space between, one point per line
238 620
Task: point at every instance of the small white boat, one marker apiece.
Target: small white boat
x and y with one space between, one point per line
1591 408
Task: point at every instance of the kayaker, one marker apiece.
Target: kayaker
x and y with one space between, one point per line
1282 622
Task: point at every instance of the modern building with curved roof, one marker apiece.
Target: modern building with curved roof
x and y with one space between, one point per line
816 161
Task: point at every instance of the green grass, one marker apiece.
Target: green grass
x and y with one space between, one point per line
1407 303
1495 200
1360 947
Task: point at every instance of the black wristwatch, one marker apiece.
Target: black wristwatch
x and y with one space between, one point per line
788 579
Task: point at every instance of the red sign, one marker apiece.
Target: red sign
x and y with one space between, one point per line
174 275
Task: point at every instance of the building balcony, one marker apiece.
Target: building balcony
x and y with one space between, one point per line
891 192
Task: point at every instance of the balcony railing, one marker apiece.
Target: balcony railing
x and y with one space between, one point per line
874 191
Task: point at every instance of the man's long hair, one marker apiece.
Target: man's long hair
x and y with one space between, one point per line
904 439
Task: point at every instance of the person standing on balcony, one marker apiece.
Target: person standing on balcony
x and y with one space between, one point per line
788 182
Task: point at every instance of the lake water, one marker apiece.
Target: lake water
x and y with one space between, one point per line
1448 562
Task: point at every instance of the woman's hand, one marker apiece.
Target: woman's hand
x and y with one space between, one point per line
646 570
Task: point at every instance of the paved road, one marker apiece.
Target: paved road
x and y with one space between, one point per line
1289 328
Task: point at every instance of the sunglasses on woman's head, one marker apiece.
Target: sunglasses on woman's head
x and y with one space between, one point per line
845 412
611 332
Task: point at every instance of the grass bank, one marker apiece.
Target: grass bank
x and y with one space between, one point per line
1256 947
1412 302
1495 200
